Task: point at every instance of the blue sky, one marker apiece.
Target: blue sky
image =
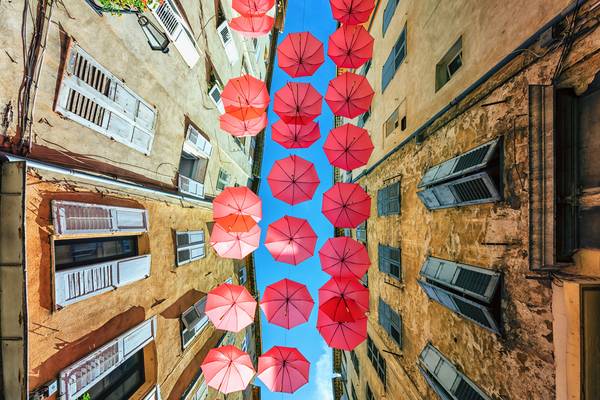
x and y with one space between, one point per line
313 16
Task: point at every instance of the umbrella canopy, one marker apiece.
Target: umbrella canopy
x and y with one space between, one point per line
342 335
287 303
344 299
297 103
245 97
283 369
242 127
252 7
291 240
237 209
346 205
227 369
230 307
234 244
352 12
348 147
252 26
293 180
350 46
295 136
349 95
344 257
300 54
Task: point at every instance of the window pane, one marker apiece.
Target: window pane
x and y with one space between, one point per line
122 382
77 252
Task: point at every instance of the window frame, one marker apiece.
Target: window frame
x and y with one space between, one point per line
386 23
190 246
381 258
387 322
222 183
377 360
96 239
386 199
397 55
443 74
199 324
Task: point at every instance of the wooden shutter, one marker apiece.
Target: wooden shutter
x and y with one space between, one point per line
190 246
215 96
190 186
389 68
473 189
226 36
388 200
133 269
389 260
390 321
196 144
388 13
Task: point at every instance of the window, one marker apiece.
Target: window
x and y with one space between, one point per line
445 379
370 395
394 60
469 291
193 321
223 179
391 123
362 120
471 178
198 389
242 276
77 252
353 391
193 162
226 37
91 96
388 13
190 246
377 360
361 232
448 65
355 362
403 123
390 261
388 200
391 321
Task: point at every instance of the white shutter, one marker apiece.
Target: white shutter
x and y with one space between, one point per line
215 96
171 19
196 144
133 269
226 36
153 394
190 246
190 186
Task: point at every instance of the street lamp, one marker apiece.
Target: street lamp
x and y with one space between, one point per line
157 40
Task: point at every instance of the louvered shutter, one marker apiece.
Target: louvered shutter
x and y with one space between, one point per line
197 143
389 68
388 200
389 260
226 36
215 96
133 269
388 13
473 189
190 186
78 218
437 388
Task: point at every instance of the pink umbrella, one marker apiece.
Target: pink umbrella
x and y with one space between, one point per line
352 12
235 245
342 335
287 303
344 257
350 46
283 369
348 147
245 97
227 369
242 127
297 103
300 54
291 240
346 205
252 26
295 136
230 307
252 7
237 209
293 180
349 95
344 299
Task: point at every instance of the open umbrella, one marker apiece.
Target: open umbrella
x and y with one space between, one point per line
252 26
242 127
290 240
230 307
283 369
350 46
342 335
295 136
293 179
297 103
227 369
344 299
252 7
348 147
235 245
344 257
349 95
352 12
237 209
287 303
346 205
245 97
300 54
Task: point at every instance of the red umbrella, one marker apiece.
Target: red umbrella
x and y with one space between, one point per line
242 127
352 12
344 299
283 369
227 369
297 103
287 303
342 335
348 147
295 136
349 95
237 209
290 240
293 180
346 205
234 244
252 7
245 97
300 54
344 257
350 46
252 26
230 307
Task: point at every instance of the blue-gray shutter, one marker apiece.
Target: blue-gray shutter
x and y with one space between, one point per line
472 189
390 257
388 13
389 68
388 200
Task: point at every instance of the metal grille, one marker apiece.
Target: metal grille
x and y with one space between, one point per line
472 190
471 159
473 281
91 74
